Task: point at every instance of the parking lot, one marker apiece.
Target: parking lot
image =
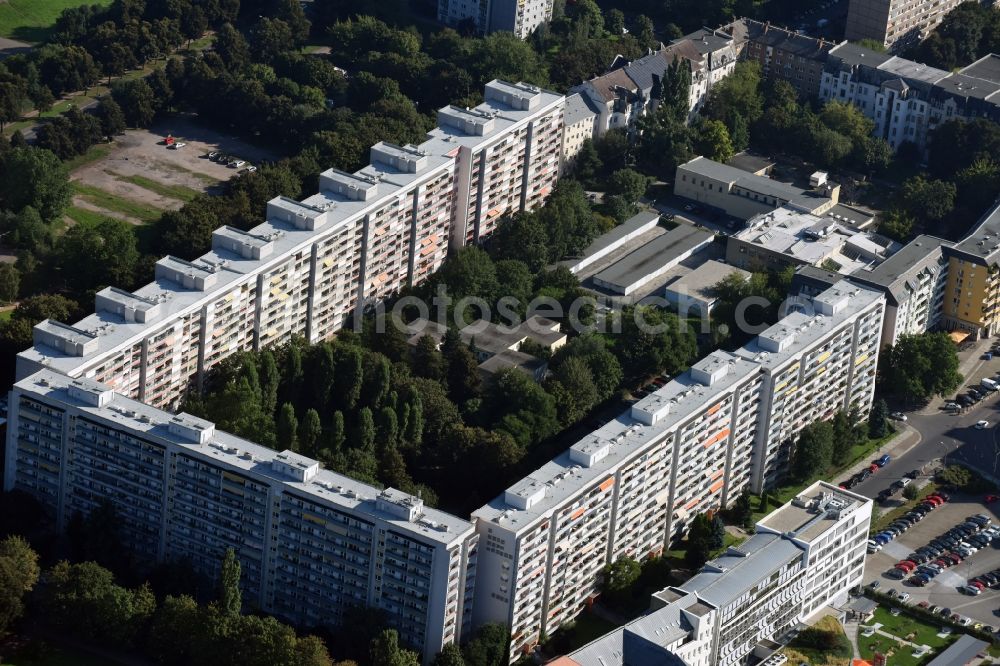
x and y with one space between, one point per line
943 590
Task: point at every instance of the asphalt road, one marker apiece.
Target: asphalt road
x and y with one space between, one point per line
946 438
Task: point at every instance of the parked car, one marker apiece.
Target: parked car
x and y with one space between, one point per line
899 416
982 425
874 585
883 461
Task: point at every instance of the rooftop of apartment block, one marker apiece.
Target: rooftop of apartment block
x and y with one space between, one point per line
648 69
578 108
707 40
598 455
289 226
785 39
201 439
799 330
982 245
726 578
811 513
897 274
986 68
813 239
853 55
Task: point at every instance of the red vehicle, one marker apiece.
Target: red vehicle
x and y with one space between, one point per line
942 562
923 604
989 499
906 565
873 468
918 581
978 583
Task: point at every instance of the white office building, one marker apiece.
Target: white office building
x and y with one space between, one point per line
311 543
805 556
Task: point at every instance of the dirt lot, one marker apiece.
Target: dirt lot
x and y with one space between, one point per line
141 177
943 589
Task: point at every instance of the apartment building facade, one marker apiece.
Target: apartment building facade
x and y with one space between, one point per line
632 486
522 17
783 54
895 23
311 543
819 359
804 556
908 100
972 294
314 264
914 281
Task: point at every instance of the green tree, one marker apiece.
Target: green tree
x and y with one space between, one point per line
348 380
918 367
629 184
718 532
742 511
462 369
699 541
137 101
310 432
386 651
450 655
929 200
10 282
337 433
620 576
18 575
387 427
878 420
911 492
813 450
489 646
614 22
34 177
364 431
270 381
230 597
845 437
287 428
897 225
574 390
100 254
713 141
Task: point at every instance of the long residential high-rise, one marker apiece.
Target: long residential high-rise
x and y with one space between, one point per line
804 556
314 263
895 22
521 17
311 544
632 486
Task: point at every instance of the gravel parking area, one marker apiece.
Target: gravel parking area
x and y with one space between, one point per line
943 589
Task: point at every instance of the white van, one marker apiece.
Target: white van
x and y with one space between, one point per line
989 384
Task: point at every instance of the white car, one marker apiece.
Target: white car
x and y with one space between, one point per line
237 164
982 425
177 146
899 416
952 405
903 596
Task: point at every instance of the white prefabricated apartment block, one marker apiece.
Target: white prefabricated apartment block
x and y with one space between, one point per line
314 263
521 17
311 543
632 486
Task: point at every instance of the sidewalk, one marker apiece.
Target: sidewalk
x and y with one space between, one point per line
904 440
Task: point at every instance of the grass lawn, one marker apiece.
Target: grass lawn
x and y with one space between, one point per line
84 216
785 493
110 202
178 192
32 20
839 656
96 152
902 626
5 315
